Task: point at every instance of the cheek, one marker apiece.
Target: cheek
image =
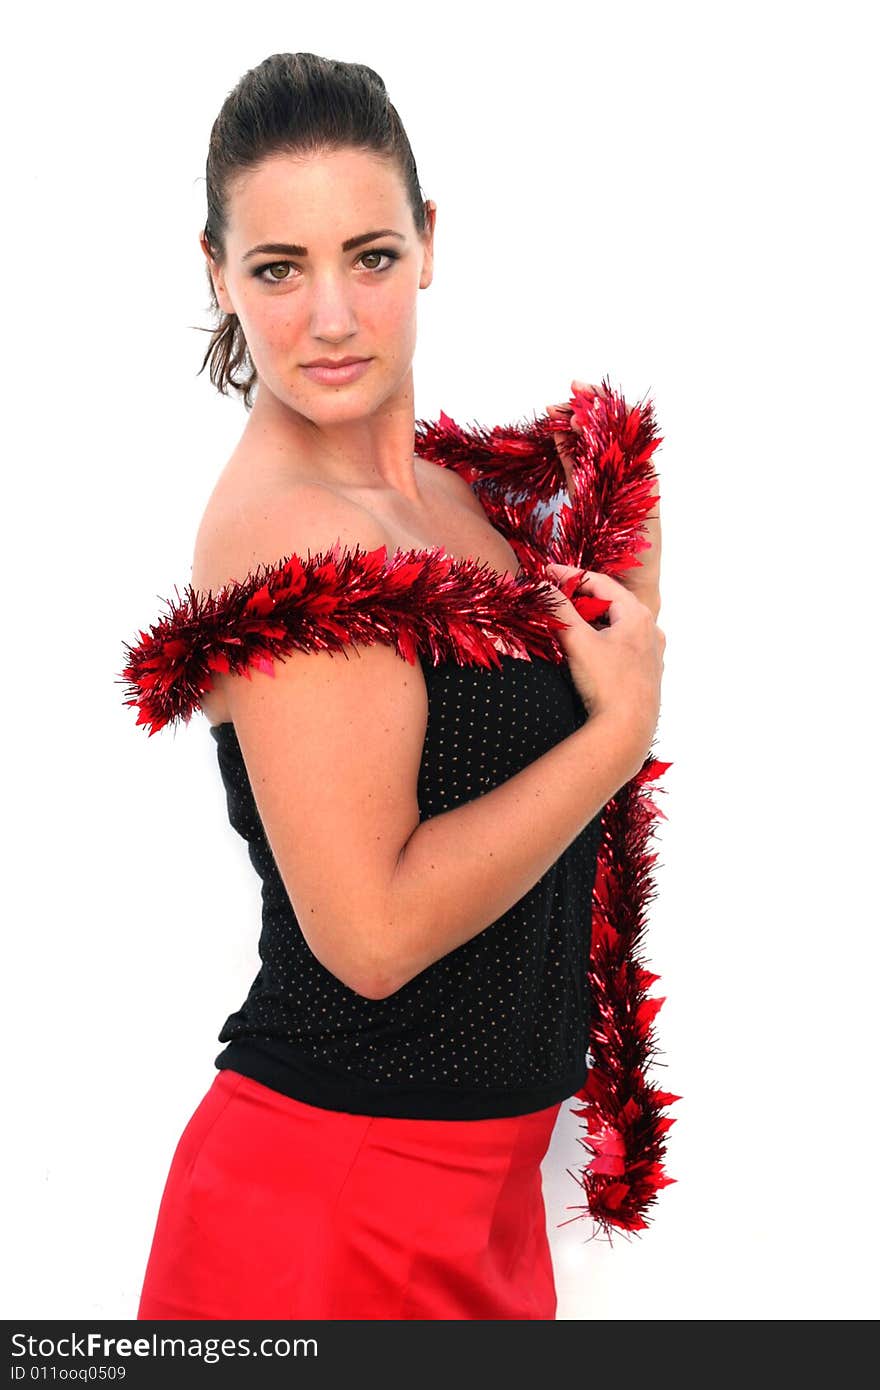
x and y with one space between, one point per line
272 325
402 305
392 323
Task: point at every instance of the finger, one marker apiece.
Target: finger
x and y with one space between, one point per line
594 582
562 440
566 577
565 571
563 413
599 580
570 580
601 586
587 386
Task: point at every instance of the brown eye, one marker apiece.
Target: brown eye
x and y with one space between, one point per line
390 256
262 272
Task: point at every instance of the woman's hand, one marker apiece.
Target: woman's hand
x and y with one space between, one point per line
617 670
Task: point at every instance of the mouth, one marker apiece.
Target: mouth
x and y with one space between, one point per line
340 374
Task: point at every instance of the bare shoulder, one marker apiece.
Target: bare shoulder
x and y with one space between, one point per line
453 486
236 535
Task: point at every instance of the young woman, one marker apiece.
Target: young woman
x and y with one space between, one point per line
426 832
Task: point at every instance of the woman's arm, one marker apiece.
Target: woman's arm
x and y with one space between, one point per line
333 744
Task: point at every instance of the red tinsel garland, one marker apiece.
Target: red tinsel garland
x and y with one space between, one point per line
422 600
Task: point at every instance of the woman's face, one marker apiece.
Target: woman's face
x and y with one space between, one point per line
310 296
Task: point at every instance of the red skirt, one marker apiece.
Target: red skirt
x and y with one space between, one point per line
277 1209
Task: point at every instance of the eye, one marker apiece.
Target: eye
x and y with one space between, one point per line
263 272
276 265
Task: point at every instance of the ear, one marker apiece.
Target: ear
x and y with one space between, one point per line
217 277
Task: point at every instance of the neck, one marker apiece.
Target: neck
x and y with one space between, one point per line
371 453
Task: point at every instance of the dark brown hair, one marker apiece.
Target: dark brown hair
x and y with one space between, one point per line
291 103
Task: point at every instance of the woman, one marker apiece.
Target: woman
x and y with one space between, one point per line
426 831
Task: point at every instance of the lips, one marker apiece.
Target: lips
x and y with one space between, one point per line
339 375
334 361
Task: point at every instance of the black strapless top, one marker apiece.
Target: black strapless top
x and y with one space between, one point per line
498 1026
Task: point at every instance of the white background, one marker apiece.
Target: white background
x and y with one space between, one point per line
679 195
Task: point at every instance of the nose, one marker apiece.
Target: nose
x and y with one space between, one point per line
331 318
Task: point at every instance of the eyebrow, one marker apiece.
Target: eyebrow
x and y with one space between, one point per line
285 248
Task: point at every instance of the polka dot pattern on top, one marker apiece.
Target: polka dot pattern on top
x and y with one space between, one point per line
498 1026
